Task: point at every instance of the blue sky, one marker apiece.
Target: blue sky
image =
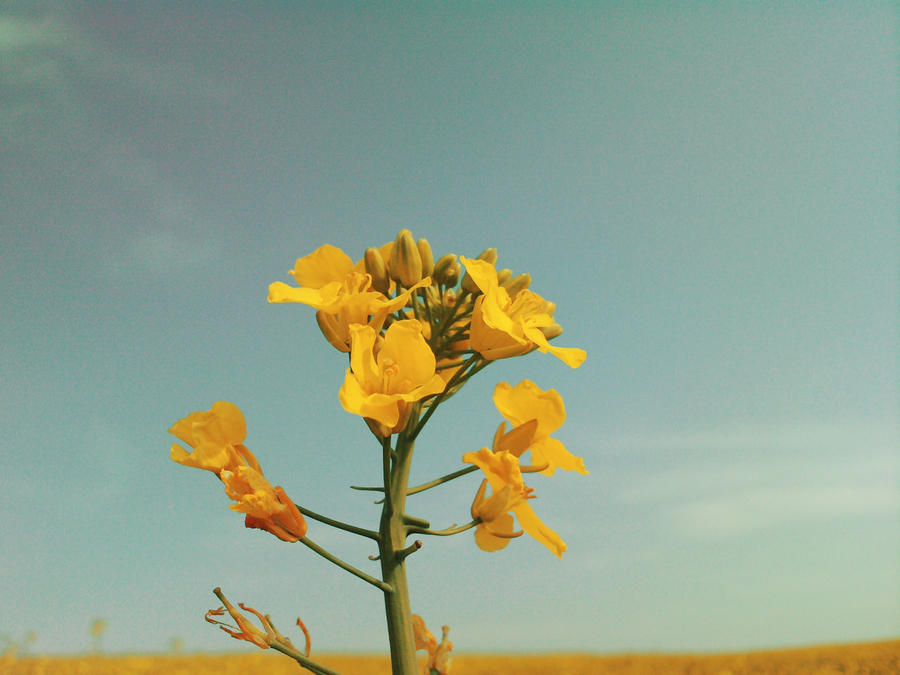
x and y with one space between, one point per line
708 192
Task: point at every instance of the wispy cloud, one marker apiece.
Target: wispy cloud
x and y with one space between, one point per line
726 482
56 129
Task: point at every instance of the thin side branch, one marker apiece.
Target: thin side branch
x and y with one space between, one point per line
378 583
445 533
442 479
371 534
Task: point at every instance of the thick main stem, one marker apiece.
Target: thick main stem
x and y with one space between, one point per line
392 542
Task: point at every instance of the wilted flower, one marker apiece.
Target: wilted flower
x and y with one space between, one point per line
217 436
438 660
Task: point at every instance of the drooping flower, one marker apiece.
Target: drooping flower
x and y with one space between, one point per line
525 402
503 473
495 527
381 387
504 326
217 436
341 291
438 660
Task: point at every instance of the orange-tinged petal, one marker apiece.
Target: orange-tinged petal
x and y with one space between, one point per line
326 264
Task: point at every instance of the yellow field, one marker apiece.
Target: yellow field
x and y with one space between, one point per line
878 657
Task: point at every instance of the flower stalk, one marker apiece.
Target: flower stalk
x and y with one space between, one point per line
416 331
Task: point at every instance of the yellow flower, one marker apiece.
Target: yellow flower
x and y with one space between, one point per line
381 387
503 326
495 528
503 473
525 402
342 291
217 436
438 654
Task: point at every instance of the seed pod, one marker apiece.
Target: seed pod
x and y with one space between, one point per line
406 263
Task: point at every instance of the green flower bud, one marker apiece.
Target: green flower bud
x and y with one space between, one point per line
426 256
375 266
406 263
331 329
517 284
447 270
503 276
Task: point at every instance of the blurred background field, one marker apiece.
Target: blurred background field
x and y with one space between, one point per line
875 657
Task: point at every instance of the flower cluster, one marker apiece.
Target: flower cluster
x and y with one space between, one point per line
410 323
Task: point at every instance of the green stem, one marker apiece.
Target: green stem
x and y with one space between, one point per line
442 479
453 529
393 550
371 534
346 566
307 663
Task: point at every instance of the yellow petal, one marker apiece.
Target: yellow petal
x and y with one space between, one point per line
571 356
527 401
535 527
552 452
406 349
326 264
482 272
487 540
362 359
356 400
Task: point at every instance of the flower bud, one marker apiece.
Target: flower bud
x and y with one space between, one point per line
504 276
447 270
488 255
405 263
426 256
517 284
331 329
375 266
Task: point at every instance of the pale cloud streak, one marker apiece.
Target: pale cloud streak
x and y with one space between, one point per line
733 481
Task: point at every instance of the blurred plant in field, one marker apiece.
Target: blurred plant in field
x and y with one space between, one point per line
12 649
97 629
415 330
176 645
